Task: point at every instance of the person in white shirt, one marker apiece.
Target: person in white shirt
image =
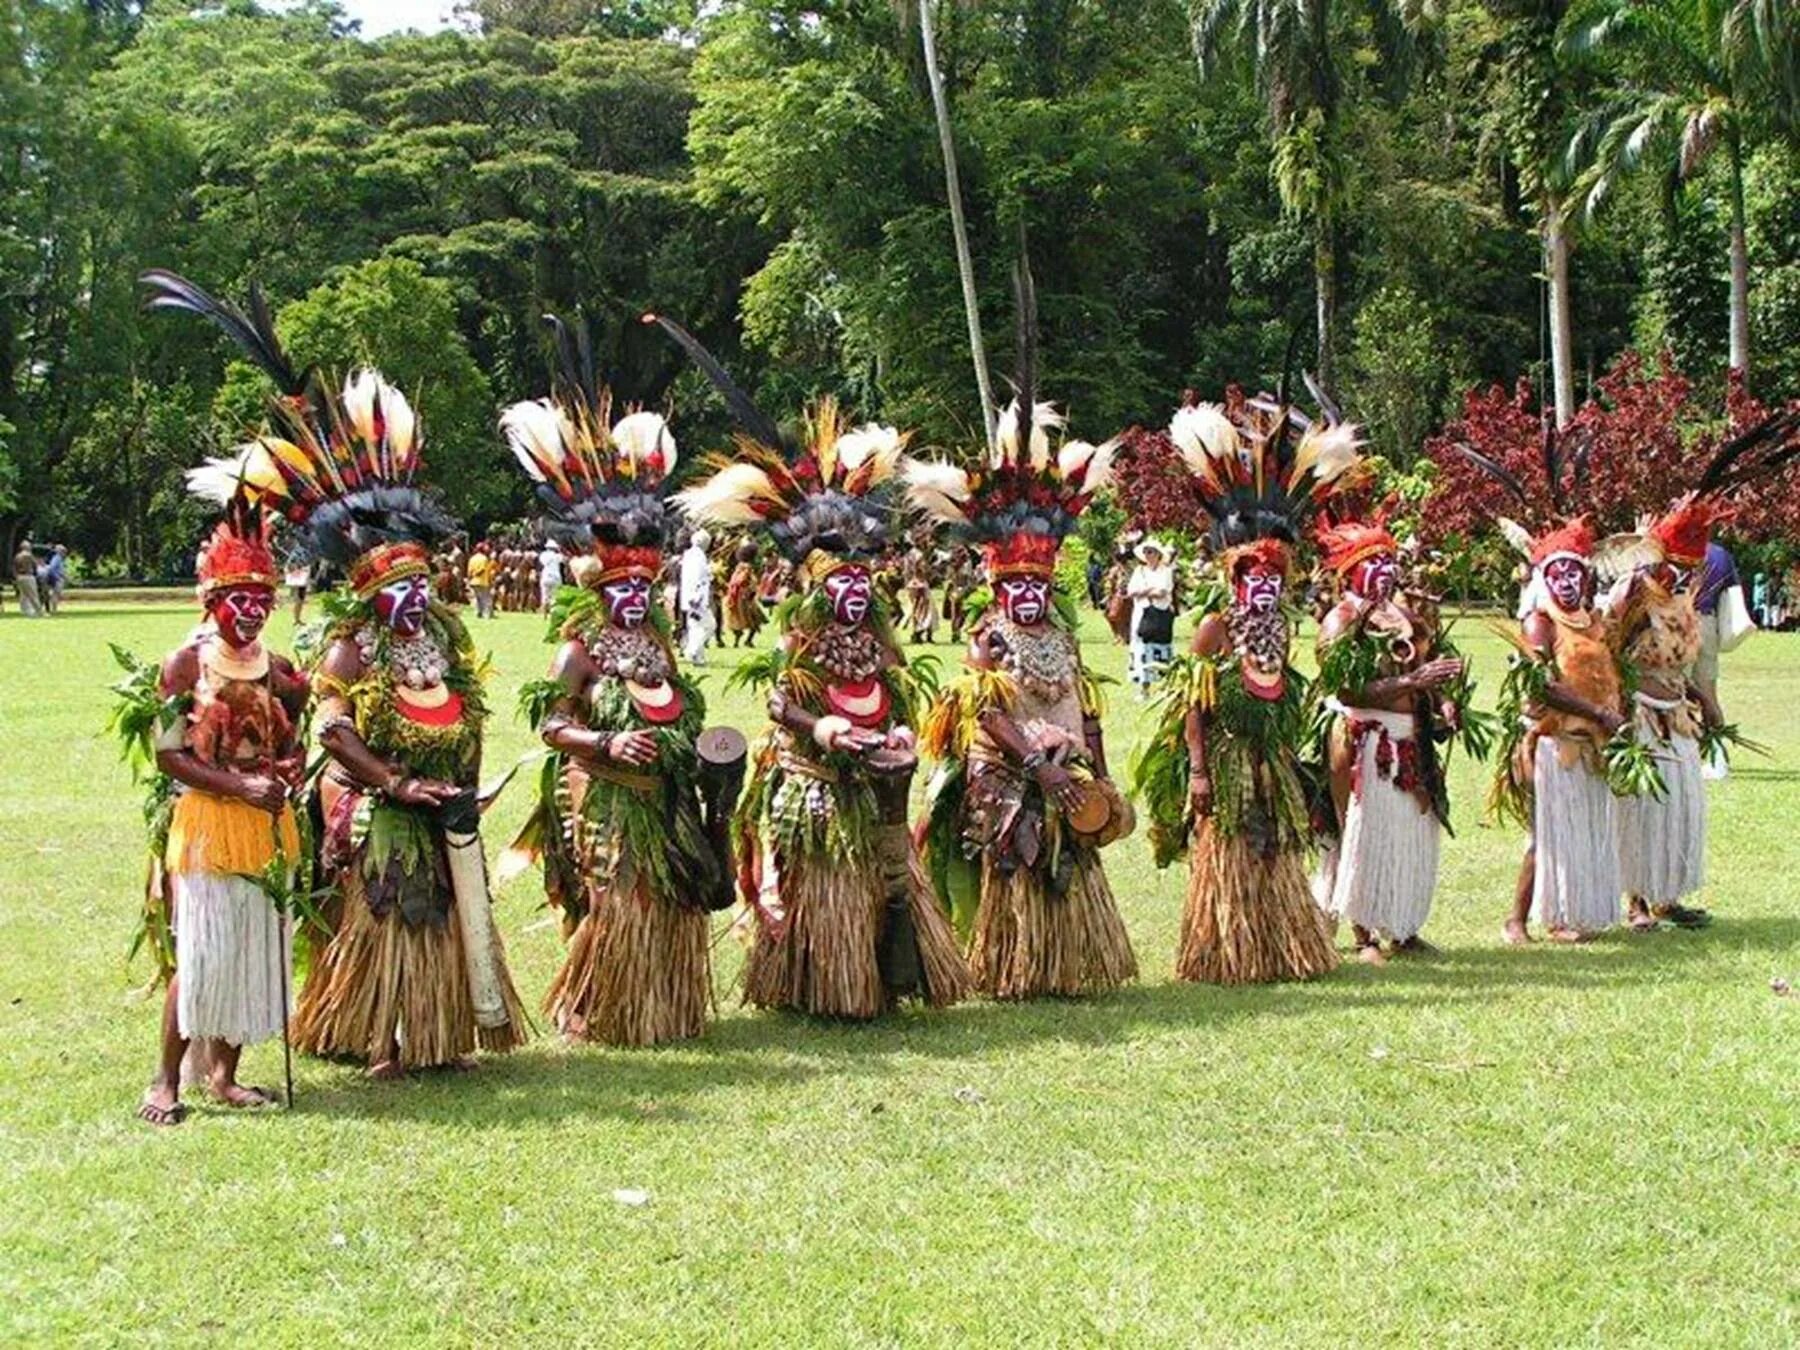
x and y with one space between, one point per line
1152 591
550 574
696 598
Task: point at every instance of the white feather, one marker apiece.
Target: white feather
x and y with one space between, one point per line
936 490
217 479
871 439
402 422
726 497
1202 433
641 434
1045 418
361 389
1516 535
1329 451
1097 458
534 431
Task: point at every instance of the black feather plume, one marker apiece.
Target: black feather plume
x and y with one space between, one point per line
1025 374
1763 449
1501 475
254 334
755 423
574 360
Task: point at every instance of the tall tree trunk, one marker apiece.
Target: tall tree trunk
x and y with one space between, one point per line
1562 327
1740 264
1325 286
965 264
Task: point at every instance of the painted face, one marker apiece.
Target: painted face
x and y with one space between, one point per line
1259 588
402 604
627 601
850 592
1025 600
1567 581
239 612
1376 578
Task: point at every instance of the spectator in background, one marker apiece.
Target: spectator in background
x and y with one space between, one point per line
1718 574
1152 592
25 580
53 576
298 578
550 574
696 587
481 579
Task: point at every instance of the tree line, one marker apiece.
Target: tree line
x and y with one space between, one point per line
1410 198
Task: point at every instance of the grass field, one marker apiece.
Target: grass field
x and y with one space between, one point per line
1594 1145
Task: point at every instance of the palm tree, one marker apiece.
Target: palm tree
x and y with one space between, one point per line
1293 47
1696 76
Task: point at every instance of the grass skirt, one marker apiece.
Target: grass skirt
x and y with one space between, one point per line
382 980
1249 919
819 956
1387 861
229 954
1576 881
1029 943
1662 844
638 970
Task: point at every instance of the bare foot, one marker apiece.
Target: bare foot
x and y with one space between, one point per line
574 1029
239 1096
1640 918
1515 934
162 1105
1568 935
387 1071
1370 954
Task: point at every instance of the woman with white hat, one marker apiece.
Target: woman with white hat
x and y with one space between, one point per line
1152 592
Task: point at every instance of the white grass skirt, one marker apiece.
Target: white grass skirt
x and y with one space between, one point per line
1387 862
228 958
1662 844
1577 874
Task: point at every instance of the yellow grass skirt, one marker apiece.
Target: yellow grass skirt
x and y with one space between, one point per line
382 980
638 970
1250 919
1029 943
222 834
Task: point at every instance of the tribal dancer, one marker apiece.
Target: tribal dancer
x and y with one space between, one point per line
620 812
1223 766
1023 803
848 926
1656 627
743 609
222 724
414 975
1392 683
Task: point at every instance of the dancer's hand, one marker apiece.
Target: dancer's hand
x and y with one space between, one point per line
426 792
263 791
1058 785
632 747
1435 674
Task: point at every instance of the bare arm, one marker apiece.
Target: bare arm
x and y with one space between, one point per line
564 729
180 673
343 666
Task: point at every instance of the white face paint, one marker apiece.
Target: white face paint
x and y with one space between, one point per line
851 593
240 612
401 605
1025 600
627 601
1567 581
1376 578
1259 589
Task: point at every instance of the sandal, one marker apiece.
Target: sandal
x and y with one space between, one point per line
1683 917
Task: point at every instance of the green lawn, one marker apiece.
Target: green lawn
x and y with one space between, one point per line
1544 1147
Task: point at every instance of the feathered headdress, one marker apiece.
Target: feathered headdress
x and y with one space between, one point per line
1346 543
1024 498
601 482
827 498
239 552
1264 468
339 466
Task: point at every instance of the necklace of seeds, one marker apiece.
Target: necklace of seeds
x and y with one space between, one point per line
1041 657
628 654
1260 639
850 653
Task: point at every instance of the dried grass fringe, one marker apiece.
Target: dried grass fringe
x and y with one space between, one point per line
946 973
638 971
821 958
1249 919
382 980
1029 943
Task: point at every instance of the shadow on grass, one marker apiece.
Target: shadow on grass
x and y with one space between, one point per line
777 1051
